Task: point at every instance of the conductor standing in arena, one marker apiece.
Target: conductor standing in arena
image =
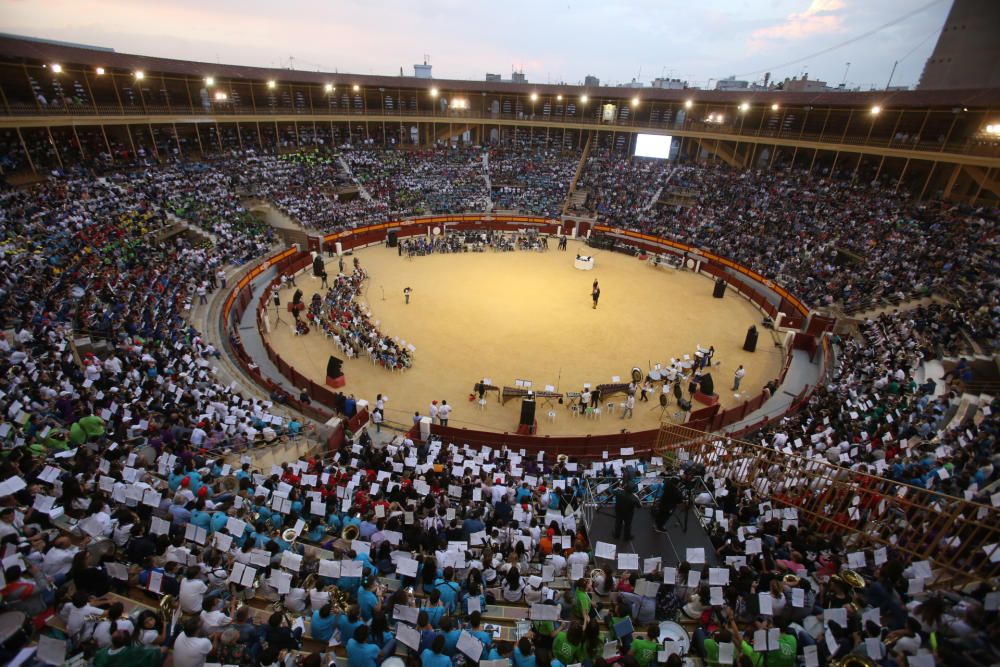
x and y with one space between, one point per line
626 503
670 496
596 293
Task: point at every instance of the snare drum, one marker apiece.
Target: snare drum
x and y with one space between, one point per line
675 637
393 661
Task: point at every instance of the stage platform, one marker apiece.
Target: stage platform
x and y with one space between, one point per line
672 546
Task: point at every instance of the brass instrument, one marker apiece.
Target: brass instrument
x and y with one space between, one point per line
596 574
854 660
853 579
310 581
791 580
168 605
339 599
289 535
562 458
350 532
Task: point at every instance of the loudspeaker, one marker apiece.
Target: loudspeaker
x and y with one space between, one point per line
684 405
392 238
333 367
707 385
750 344
527 412
720 288
318 266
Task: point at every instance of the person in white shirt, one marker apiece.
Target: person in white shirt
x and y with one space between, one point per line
112 624
192 591
443 412
59 559
580 557
76 612
190 650
213 617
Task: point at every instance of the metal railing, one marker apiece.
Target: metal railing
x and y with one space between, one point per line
870 512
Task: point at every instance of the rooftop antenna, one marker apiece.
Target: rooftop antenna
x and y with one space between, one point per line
846 70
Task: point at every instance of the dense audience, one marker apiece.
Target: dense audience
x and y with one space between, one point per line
534 181
125 480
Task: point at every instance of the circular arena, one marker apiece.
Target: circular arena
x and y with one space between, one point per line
312 368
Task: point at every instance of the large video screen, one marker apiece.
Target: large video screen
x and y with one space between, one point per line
653 145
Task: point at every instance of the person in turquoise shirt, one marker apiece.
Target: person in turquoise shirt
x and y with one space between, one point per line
434 656
334 522
476 630
349 622
323 623
435 610
317 531
199 517
368 602
174 481
449 589
524 653
243 472
294 427
219 520
450 633
359 652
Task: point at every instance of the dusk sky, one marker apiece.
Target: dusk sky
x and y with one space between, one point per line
561 40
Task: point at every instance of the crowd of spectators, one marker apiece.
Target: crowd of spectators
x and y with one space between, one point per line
126 450
621 190
535 181
836 242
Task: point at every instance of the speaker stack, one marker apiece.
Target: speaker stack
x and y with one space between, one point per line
750 344
334 376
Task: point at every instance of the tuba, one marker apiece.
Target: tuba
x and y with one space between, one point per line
854 660
289 535
350 532
853 578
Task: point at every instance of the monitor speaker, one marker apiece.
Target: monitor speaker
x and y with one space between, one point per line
750 344
333 367
392 238
720 288
707 385
527 412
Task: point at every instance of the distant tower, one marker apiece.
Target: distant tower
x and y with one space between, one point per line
967 53
423 71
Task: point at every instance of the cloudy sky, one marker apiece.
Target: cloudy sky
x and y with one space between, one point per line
550 40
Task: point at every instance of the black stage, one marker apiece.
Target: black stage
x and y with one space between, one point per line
671 546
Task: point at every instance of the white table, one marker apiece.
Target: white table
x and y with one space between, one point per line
584 263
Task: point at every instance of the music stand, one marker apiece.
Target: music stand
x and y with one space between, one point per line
277 310
662 406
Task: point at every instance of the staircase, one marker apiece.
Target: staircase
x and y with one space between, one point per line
347 170
571 199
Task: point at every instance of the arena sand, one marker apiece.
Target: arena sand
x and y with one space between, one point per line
528 315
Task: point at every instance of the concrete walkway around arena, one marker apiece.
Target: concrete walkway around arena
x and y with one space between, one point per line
801 372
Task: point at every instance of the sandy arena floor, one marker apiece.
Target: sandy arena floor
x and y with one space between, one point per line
528 315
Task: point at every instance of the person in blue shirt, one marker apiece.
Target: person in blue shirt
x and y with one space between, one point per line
451 634
368 601
359 652
199 517
427 633
475 592
473 524
449 589
434 608
349 622
434 656
476 630
523 494
219 520
323 623
243 472
524 653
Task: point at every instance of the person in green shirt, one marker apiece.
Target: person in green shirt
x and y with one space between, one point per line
568 645
582 603
120 654
788 646
645 649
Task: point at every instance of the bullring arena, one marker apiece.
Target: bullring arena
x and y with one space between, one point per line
528 315
234 297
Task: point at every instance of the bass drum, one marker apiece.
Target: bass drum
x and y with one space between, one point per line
146 453
675 637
